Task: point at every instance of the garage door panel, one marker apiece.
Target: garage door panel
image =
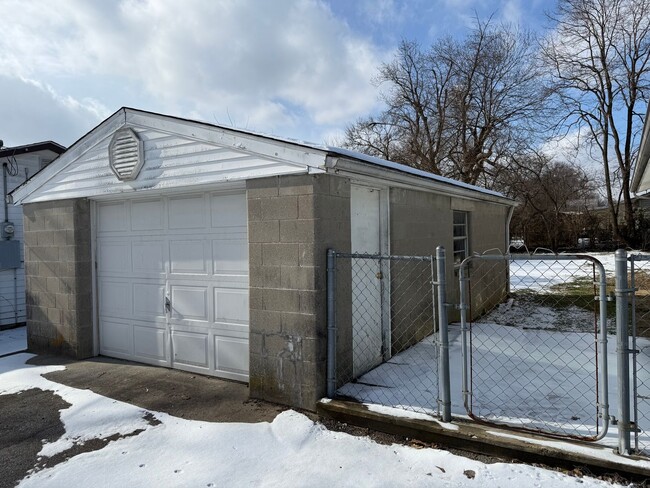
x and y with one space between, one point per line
231 355
116 337
115 298
189 302
147 215
187 212
148 257
114 256
230 257
149 300
191 348
150 343
229 211
231 306
188 256
112 217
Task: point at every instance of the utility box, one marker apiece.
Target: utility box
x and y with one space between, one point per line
9 254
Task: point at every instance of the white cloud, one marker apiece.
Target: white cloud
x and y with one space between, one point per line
273 66
33 112
385 11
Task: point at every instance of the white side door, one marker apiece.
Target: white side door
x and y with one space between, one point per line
367 314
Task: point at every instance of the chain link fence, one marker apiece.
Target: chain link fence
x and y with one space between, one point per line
383 330
534 348
640 348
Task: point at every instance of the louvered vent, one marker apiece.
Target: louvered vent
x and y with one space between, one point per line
126 154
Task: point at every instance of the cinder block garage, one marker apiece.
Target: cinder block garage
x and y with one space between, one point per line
193 246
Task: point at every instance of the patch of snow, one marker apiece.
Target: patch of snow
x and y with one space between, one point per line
87 418
13 340
290 451
406 414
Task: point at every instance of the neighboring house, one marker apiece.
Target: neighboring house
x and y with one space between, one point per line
194 246
17 165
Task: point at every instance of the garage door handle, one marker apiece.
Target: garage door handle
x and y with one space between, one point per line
168 305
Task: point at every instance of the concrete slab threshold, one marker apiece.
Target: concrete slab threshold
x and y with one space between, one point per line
484 439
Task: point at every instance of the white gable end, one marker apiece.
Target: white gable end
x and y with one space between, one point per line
177 154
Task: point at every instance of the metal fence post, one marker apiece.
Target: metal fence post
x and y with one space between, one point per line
445 382
622 351
463 279
331 323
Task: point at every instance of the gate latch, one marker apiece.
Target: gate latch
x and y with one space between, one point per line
379 275
168 305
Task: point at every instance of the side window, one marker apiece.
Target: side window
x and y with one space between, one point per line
461 236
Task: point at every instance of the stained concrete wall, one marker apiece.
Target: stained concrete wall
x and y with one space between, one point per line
293 220
421 221
58 277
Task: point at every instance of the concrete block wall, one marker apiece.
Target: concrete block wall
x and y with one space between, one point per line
292 221
58 277
420 221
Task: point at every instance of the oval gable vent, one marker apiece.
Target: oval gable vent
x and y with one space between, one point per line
126 154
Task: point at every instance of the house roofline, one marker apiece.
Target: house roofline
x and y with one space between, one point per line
30 148
327 152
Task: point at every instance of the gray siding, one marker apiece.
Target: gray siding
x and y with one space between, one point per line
12 283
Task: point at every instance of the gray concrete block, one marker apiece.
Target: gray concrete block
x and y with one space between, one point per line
280 254
299 277
297 185
297 230
313 302
339 186
306 205
266 276
301 325
53 285
256 298
265 321
255 254
255 209
306 255
262 187
280 208
281 300
264 231
256 343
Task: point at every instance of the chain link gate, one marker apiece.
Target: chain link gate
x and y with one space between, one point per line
639 348
386 331
534 343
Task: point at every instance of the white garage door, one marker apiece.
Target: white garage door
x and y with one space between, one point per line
172 280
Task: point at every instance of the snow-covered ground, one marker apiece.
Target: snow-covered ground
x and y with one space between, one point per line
13 340
290 451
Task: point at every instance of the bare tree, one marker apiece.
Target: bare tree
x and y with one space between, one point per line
553 198
599 53
459 109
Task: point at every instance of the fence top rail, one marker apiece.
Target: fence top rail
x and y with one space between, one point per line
638 257
537 257
383 257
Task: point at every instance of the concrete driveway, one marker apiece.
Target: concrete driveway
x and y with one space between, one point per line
31 418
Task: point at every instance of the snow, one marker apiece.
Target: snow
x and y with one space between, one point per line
13 340
290 451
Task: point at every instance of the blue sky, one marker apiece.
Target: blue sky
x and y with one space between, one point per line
294 68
